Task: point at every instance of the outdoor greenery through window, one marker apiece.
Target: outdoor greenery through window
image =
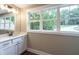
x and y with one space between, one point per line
49 18
46 19
34 20
7 23
70 18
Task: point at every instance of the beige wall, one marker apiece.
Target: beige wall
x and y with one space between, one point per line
53 44
18 22
21 21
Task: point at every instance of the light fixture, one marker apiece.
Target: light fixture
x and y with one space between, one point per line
5 7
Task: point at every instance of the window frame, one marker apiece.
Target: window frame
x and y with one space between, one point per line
41 20
75 31
57 20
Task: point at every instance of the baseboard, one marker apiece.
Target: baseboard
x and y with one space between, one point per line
23 52
37 51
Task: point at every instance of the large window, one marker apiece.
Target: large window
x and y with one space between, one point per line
45 17
61 18
7 23
70 18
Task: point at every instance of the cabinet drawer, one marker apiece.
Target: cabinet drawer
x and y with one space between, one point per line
5 44
18 40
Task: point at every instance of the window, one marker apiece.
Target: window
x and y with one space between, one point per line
7 23
61 18
49 19
45 17
34 20
70 18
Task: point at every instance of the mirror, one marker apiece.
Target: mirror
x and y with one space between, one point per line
7 20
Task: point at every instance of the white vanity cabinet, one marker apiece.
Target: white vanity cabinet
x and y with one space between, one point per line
7 48
20 44
11 50
14 46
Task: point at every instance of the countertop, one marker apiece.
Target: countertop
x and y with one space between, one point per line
5 37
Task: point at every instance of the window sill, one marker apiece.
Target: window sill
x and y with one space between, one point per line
65 33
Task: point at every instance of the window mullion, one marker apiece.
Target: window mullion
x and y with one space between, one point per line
9 22
58 19
41 22
4 22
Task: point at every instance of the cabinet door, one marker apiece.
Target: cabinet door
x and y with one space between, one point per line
11 50
1 52
20 43
21 46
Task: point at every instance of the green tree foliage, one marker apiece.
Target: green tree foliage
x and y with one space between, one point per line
48 25
34 25
70 16
12 19
34 16
50 16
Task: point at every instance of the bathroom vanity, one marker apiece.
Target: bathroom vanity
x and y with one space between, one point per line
13 45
